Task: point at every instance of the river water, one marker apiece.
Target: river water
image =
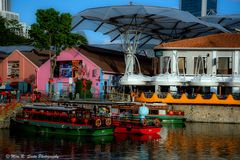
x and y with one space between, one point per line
194 141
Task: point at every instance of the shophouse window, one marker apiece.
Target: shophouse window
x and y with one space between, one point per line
63 69
224 65
13 69
200 64
166 64
182 65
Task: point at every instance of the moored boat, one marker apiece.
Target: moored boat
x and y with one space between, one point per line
139 126
62 120
156 111
132 129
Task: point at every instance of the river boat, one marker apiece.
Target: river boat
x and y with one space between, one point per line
62 120
139 126
159 111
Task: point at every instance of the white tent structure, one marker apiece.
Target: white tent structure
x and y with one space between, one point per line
138 25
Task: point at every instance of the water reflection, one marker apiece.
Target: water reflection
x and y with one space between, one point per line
203 140
195 141
173 125
69 147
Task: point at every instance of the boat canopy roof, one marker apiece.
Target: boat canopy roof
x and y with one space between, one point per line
50 108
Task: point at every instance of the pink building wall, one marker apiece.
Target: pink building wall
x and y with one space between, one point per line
43 73
27 69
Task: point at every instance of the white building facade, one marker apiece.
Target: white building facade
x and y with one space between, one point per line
5 5
213 59
5 10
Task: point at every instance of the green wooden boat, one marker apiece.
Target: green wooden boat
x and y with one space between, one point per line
62 120
156 111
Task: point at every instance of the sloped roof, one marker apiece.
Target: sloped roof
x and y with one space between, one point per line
10 49
112 61
222 40
38 60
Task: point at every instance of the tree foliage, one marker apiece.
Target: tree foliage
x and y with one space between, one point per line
8 36
52 31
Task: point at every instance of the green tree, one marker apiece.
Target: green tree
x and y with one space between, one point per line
14 26
52 32
8 35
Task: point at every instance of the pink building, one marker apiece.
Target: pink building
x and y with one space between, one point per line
71 64
101 66
20 69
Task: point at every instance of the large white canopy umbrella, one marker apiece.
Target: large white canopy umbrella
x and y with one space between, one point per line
138 25
230 22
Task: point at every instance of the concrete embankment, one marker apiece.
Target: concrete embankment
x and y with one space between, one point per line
210 113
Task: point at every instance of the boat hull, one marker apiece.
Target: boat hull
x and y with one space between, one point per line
60 128
168 119
137 130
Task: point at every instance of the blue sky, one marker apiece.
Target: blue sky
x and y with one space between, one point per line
27 8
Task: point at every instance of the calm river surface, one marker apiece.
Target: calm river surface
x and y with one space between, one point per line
194 141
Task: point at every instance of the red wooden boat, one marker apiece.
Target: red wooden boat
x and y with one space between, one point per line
136 127
140 126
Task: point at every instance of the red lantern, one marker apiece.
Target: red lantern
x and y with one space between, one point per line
85 121
171 112
73 119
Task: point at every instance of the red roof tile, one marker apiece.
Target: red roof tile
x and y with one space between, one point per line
222 40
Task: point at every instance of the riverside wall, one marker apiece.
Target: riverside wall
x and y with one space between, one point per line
210 113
